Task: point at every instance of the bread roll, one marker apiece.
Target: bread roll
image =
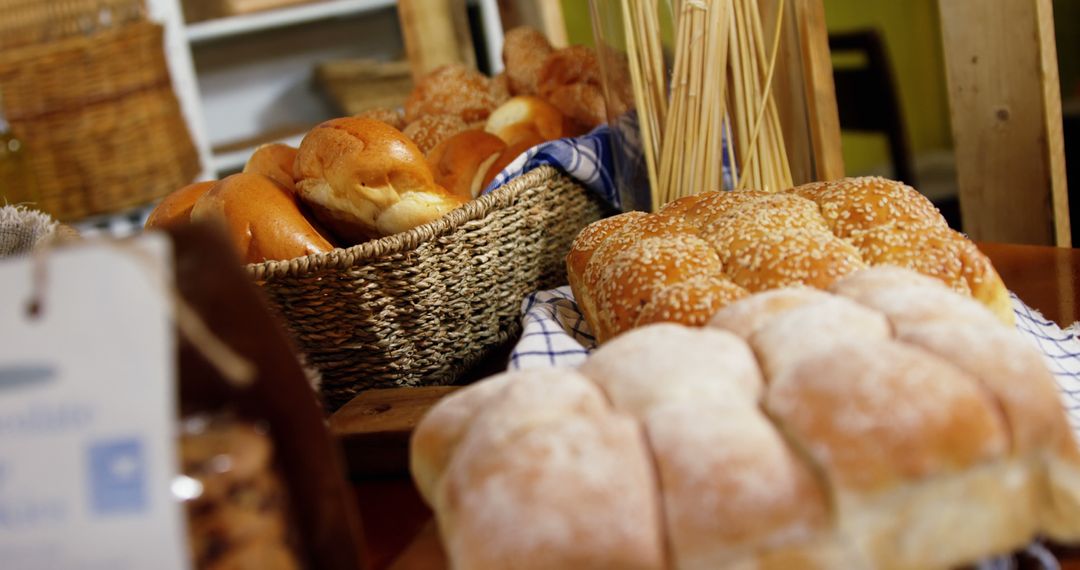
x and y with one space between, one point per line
582 251
509 155
393 117
910 302
461 162
364 179
434 440
682 367
262 218
814 235
692 302
275 161
430 130
525 117
175 209
841 440
524 53
516 463
733 490
454 90
749 315
623 287
570 80
814 328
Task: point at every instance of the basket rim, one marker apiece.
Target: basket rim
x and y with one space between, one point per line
343 258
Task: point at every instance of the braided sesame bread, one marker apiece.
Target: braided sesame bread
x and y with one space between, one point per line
801 429
812 235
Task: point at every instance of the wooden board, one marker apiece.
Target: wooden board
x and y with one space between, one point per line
436 33
1005 105
819 90
374 428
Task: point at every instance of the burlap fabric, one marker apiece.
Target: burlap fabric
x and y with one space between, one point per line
22 229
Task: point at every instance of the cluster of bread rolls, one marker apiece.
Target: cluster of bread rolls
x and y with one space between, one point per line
888 423
699 253
386 171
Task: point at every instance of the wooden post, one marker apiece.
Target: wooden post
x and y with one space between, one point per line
1005 104
436 33
819 89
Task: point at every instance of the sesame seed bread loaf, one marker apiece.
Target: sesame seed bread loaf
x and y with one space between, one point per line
812 235
800 429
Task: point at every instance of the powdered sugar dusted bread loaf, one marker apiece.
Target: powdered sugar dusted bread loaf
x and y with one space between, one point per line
801 428
813 235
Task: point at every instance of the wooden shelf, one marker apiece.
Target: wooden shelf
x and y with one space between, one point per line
259 21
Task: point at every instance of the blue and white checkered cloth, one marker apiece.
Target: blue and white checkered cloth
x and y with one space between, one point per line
587 159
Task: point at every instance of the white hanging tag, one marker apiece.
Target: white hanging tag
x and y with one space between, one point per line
88 410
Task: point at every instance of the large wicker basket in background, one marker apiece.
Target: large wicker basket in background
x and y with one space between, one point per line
96 110
419 308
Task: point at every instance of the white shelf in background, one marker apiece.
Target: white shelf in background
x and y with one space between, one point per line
258 21
236 159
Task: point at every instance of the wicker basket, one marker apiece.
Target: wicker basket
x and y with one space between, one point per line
101 124
419 308
37 21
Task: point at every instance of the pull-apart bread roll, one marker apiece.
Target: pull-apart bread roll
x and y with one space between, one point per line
364 179
262 217
813 235
819 430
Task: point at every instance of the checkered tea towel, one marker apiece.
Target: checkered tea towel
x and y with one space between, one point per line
555 334
589 160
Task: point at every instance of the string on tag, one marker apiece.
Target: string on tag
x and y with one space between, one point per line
237 370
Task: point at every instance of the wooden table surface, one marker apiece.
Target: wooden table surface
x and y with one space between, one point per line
400 534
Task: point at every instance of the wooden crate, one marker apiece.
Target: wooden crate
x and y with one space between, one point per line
356 85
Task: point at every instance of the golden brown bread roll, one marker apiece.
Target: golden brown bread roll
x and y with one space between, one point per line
692 302
570 80
461 162
524 53
275 161
626 285
430 130
813 235
262 217
454 90
175 209
364 179
525 117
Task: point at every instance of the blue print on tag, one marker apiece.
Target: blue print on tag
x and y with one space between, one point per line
117 477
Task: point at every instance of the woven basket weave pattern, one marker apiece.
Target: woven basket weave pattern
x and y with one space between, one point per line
421 307
37 21
101 123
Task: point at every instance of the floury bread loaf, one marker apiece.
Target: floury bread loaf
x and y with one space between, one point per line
801 428
629 270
